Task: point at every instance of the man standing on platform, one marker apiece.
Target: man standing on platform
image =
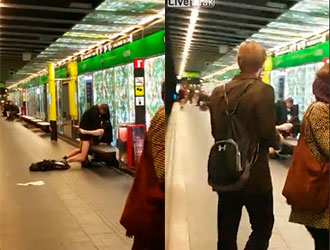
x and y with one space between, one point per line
253 104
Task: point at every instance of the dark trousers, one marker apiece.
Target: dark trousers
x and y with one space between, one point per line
149 243
12 116
321 238
260 210
287 149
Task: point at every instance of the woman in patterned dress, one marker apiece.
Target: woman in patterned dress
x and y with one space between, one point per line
154 171
316 130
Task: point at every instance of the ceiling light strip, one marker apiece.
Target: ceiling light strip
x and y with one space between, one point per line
156 19
190 32
277 49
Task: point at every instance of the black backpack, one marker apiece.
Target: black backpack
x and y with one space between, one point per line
232 157
47 165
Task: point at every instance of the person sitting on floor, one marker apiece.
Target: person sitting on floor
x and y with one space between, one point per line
285 148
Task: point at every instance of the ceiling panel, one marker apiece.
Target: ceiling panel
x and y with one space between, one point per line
274 24
65 29
35 24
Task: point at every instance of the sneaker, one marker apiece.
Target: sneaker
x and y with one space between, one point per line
61 165
62 162
274 156
95 164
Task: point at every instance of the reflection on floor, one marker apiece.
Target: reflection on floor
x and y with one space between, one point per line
77 209
192 143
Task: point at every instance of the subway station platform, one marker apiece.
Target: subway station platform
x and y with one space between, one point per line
76 209
191 211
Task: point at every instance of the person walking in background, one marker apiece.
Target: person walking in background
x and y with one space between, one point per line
191 95
182 98
144 213
255 111
307 184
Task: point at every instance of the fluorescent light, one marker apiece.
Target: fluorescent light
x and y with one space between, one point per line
190 32
158 17
276 5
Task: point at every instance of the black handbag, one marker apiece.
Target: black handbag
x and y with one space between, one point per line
47 165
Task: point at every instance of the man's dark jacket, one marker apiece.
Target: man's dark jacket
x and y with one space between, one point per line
256 111
281 113
91 119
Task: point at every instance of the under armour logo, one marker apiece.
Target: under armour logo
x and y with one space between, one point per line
221 148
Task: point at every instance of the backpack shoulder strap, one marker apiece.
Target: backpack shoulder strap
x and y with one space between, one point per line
238 99
230 114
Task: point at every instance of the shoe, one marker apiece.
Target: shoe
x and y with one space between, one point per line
62 162
61 165
95 164
85 164
274 156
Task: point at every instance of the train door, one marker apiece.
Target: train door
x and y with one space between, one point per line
66 121
59 106
45 102
64 126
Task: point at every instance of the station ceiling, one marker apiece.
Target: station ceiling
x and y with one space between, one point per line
31 26
273 23
54 30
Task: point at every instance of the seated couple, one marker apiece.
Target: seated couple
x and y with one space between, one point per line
285 148
95 128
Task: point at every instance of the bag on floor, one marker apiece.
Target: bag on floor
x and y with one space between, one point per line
47 165
231 159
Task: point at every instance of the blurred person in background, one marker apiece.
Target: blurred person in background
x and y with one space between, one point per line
312 171
13 112
202 96
294 131
6 108
286 128
191 95
203 99
144 213
182 97
256 112
282 110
